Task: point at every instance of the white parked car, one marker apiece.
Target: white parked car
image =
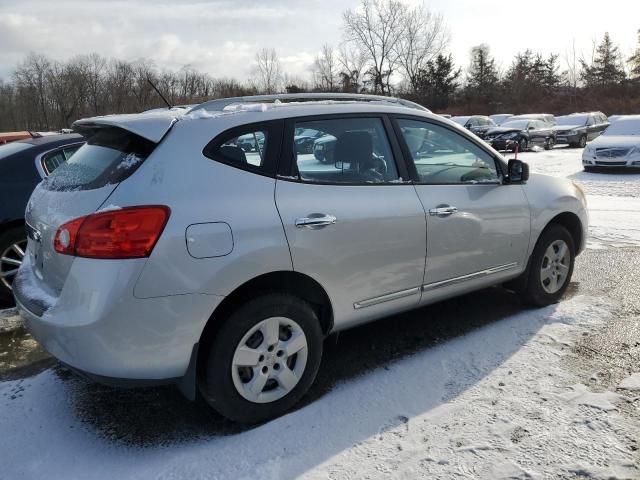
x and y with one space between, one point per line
618 146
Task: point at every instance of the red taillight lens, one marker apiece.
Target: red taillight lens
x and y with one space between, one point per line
130 232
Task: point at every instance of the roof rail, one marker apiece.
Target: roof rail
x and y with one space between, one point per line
220 103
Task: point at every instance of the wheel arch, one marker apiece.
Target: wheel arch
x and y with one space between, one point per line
291 282
572 223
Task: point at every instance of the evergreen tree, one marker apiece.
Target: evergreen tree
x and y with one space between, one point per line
438 82
482 75
607 68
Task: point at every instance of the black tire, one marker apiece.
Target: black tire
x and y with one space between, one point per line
548 145
522 145
589 169
7 238
582 142
216 383
532 292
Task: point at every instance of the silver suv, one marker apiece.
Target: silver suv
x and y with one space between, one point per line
165 252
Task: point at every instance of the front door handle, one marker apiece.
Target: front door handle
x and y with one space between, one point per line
315 220
442 210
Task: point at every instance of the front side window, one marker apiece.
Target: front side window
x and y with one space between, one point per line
346 150
442 156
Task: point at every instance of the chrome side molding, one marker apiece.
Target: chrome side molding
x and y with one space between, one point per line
471 276
386 298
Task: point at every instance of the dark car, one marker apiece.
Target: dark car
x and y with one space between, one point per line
23 164
305 138
478 124
579 128
521 135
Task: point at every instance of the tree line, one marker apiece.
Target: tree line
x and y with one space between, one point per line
388 48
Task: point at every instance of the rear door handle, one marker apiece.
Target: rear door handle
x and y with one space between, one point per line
442 211
315 220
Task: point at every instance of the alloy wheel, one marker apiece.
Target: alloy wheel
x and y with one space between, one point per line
555 266
10 262
269 360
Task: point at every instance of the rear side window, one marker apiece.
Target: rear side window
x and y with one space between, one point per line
254 147
53 160
355 151
108 157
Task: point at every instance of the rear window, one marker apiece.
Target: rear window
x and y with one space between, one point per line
108 157
11 148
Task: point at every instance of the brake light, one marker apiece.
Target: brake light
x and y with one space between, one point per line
130 232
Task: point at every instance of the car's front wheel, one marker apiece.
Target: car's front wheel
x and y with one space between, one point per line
548 145
583 141
551 267
13 245
522 145
263 359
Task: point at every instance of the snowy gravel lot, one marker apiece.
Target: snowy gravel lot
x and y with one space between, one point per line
475 387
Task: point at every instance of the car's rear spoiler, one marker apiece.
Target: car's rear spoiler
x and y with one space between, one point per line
151 126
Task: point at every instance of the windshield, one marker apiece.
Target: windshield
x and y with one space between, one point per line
520 124
11 148
572 120
108 157
624 127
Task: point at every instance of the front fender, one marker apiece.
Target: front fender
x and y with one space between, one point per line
549 197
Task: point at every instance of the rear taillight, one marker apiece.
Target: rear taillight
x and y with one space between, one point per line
130 232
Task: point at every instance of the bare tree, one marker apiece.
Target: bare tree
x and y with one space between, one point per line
268 71
572 74
425 37
325 69
352 62
376 28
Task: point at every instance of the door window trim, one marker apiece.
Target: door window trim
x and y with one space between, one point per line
287 169
501 167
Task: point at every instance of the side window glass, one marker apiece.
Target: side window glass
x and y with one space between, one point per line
53 160
345 150
244 150
442 156
69 151
590 121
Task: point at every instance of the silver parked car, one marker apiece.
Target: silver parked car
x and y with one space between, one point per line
164 253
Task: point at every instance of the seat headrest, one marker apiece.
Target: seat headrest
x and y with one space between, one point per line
233 153
354 148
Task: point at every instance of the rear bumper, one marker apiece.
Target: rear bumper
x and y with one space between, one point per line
97 326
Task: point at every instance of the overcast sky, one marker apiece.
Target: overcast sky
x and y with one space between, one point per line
221 37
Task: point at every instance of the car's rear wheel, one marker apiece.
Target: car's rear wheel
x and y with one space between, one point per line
13 245
551 267
548 145
263 359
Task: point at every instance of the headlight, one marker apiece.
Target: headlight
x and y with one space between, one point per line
575 131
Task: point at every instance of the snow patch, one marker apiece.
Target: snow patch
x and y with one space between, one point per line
631 383
246 107
109 208
581 395
129 161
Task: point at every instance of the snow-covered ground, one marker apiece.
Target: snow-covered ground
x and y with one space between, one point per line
497 402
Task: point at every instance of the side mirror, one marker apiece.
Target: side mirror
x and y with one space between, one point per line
518 171
531 128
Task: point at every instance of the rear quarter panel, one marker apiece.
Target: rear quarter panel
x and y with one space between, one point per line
201 190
